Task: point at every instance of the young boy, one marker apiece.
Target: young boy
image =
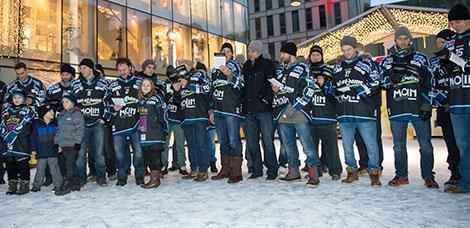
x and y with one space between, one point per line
15 130
68 140
42 146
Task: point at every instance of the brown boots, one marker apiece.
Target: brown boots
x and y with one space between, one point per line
154 181
374 178
352 175
231 168
236 174
226 170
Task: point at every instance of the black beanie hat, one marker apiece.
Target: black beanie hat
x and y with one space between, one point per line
458 12
67 68
445 34
227 45
316 48
201 66
71 97
43 109
289 48
87 62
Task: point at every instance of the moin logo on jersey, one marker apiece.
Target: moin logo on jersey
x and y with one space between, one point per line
405 93
189 103
127 111
319 100
280 101
460 81
219 94
90 111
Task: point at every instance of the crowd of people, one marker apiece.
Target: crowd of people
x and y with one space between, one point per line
110 126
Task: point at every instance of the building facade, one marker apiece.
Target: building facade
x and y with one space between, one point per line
46 33
274 22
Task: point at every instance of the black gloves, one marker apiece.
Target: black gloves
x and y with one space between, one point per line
77 146
425 112
443 54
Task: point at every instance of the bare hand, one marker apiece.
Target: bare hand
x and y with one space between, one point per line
29 101
177 86
59 149
227 72
276 89
211 118
33 153
102 121
183 82
118 107
320 80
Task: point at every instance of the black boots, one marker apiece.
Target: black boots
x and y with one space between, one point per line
12 187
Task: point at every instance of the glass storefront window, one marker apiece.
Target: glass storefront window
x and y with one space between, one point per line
111 33
181 11
240 49
199 14
181 46
138 37
8 25
213 16
200 51
162 8
215 43
79 21
241 28
42 30
227 18
161 44
143 5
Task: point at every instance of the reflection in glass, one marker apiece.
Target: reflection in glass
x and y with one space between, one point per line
8 25
42 29
182 43
161 44
199 14
227 18
111 33
214 17
215 43
78 30
240 49
143 5
199 41
181 11
138 37
162 8
241 25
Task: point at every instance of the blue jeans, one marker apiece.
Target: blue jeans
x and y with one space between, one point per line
289 140
461 123
123 155
228 133
368 132
93 138
423 133
196 137
283 157
211 143
256 124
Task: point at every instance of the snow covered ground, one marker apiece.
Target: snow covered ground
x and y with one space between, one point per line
251 203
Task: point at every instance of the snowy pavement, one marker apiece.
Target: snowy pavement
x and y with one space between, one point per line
251 203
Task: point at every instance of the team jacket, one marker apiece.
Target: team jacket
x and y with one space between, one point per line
3 89
227 94
195 98
90 95
15 130
125 121
454 82
54 95
153 122
297 90
353 83
322 107
407 79
173 100
33 88
160 85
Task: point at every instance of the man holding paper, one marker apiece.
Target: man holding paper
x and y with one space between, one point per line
227 82
290 111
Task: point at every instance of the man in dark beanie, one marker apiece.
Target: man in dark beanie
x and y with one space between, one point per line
257 98
55 92
458 90
441 69
291 98
407 80
323 114
353 84
148 71
89 90
227 83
